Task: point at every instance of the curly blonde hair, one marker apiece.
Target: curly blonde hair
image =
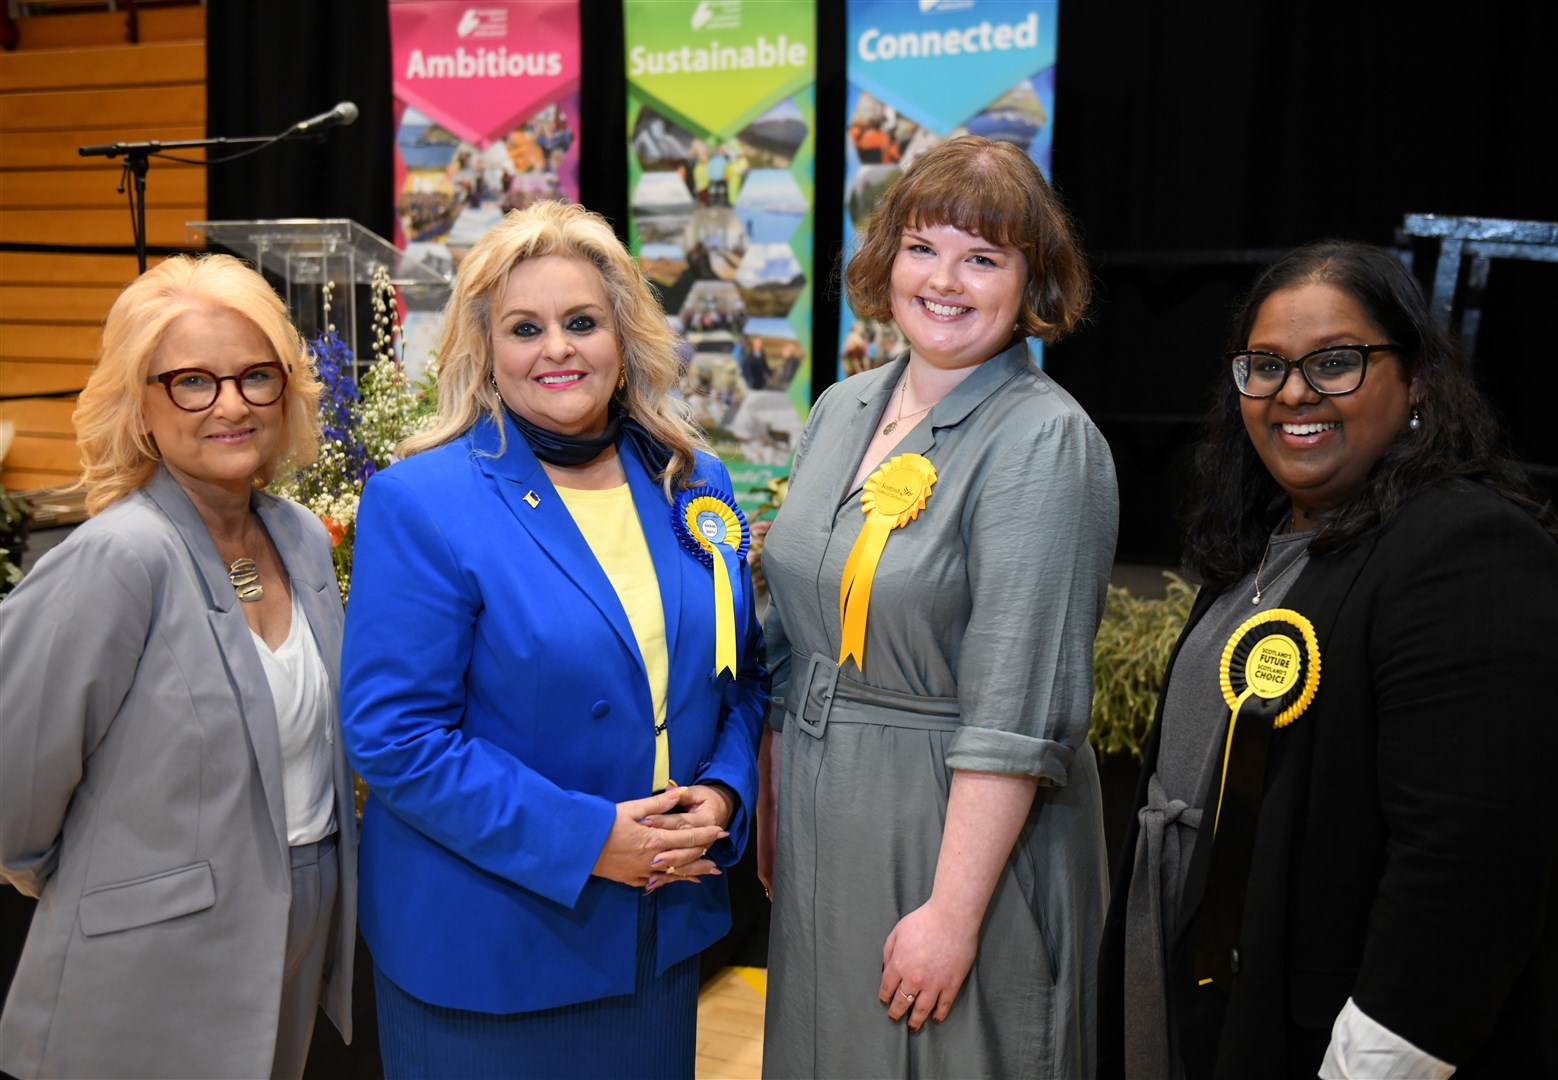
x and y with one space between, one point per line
993 190
644 339
117 453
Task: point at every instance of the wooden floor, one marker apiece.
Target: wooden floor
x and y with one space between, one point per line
730 1025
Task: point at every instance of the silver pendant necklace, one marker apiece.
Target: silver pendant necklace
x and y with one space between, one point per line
1259 589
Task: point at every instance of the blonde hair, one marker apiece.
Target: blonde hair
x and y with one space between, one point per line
993 190
644 339
117 453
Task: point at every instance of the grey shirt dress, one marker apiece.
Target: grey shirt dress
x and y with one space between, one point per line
978 656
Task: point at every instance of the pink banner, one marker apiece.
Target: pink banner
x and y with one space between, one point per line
486 115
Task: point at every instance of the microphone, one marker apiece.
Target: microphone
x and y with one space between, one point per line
343 114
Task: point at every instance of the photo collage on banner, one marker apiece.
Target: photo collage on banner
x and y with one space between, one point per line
486 116
721 111
919 74
486 121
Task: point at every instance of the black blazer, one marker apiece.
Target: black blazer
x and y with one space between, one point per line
1406 853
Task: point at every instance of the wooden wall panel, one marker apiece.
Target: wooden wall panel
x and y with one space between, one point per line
111 28
54 304
24 377
49 150
97 228
69 343
45 442
53 110
46 267
44 418
74 81
72 69
178 185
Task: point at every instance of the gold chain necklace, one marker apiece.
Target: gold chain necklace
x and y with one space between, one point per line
903 394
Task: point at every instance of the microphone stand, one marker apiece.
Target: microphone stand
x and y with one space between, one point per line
137 161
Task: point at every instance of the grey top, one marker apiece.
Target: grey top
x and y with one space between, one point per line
1001 577
1195 717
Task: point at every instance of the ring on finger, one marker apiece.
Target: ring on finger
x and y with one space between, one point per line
670 869
907 997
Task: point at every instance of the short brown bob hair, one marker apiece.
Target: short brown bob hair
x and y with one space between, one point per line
995 191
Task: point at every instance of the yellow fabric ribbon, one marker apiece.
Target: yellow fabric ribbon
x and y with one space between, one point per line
713 524
894 495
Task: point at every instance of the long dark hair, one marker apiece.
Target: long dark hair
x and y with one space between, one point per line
1235 503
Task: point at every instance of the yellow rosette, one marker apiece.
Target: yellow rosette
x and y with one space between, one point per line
716 533
894 495
1273 657
1269 674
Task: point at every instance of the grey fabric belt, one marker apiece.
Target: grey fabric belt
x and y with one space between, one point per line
819 695
1148 1045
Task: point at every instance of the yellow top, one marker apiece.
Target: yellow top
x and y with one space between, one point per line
609 521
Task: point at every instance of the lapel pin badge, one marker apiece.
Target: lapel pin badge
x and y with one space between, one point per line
533 499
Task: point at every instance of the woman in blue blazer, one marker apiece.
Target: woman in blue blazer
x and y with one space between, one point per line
551 680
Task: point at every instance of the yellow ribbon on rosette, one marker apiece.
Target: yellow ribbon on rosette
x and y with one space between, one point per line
894 495
716 532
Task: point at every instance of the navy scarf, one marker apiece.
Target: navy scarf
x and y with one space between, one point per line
555 449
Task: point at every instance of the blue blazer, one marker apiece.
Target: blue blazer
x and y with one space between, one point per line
494 700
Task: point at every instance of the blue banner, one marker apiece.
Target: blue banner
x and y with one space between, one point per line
921 73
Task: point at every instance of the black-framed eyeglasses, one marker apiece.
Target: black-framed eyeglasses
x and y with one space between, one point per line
1336 369
196 389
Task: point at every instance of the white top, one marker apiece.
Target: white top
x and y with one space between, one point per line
1364 1049
305 722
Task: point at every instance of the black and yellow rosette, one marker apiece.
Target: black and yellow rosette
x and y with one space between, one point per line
1270 668
1269 674
712 528
894 495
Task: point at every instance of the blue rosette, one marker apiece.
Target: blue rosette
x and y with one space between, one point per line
712 529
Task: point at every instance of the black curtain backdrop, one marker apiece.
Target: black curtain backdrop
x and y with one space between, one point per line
271 63
1194 142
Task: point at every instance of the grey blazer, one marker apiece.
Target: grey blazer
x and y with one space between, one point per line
141 799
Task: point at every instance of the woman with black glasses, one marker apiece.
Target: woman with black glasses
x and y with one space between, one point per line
1343 859
172 788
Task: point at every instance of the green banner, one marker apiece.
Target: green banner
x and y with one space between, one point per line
721 123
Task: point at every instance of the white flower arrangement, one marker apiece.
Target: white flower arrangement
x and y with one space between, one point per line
360 424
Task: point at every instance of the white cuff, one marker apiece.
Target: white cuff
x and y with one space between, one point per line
1364 1049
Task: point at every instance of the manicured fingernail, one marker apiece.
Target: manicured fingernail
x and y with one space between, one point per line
656 862
723 834
643 821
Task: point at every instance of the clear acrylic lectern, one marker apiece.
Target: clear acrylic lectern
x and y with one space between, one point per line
306 253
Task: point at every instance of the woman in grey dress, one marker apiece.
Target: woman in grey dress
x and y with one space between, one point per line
930 824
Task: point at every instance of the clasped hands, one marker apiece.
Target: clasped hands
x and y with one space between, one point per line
666 837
